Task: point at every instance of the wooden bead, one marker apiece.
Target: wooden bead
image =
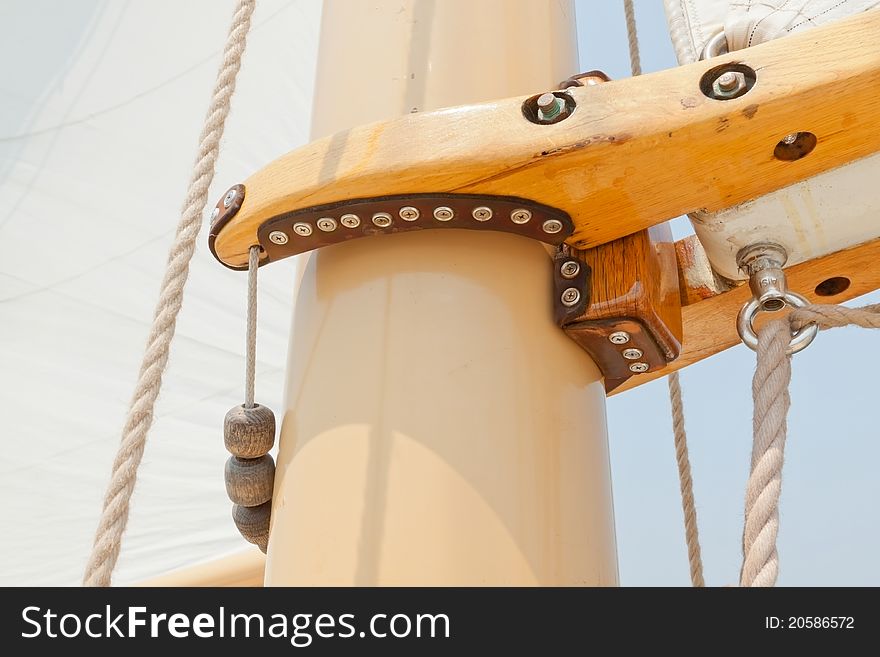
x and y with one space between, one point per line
249 432
253 522
249 482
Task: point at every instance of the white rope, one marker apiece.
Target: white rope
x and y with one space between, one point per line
251 346
114 515
632 35
770 391
682 459
686 486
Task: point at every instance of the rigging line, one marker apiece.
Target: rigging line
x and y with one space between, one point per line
114 515
682 457
251 347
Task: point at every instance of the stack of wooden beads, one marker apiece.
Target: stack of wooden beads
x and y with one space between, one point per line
249 434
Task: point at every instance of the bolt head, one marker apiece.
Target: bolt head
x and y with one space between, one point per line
552 226
327 224
632 353
350 220
570 269
382 219
215 213
278 237
619 337
729 84
639 368
229 198
409 213
789 139
302 229
570 297
520 216
482 213
443 213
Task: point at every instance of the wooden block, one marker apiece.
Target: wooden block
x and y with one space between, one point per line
630 322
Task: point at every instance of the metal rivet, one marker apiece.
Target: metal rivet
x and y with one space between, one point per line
409 213
278 237
520 216
482 213
443 213
552 226
570 297
632 353
789 139
350 220
569 269
619 337
382 219
229 198
302 228
215 214
327 224
638 368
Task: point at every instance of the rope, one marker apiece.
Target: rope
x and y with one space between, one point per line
770 391
691 535
682 459
251 347
632 35
114 515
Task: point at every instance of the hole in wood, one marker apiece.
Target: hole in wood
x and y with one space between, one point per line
794 146
832 286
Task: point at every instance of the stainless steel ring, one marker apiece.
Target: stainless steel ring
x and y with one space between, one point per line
716 45
799 339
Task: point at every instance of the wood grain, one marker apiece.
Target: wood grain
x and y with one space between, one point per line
633 287
709 309
634 153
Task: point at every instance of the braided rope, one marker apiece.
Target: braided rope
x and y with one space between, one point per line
114 516
770 391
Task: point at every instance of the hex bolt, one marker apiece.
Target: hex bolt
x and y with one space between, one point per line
727 81
549 106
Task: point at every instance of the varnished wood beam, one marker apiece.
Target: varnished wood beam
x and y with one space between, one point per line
709 307
634 153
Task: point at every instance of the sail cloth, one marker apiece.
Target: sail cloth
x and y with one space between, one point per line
821 215
749 22
101 105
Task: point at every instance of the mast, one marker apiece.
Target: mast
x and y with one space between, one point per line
439 428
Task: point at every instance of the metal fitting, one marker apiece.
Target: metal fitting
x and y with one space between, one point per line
729 84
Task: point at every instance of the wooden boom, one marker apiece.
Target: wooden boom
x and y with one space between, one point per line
632 154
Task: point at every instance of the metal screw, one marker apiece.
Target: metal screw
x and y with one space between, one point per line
520 216
350 220
327 224
301 228
570 269
552 226
619 337
443 213
409 213
570 297
229 198
727 81
382 219
549 106
632 353
482 213
638 368
278 237
789 139
215 214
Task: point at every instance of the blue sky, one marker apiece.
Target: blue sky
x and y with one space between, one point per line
829 532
